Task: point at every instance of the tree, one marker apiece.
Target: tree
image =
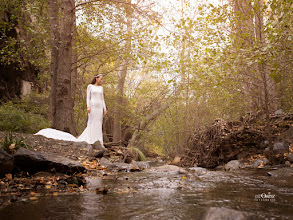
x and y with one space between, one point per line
122 72
62 26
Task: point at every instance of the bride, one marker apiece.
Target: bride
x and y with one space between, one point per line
95 107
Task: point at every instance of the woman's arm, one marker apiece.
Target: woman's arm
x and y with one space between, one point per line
88 98
104 104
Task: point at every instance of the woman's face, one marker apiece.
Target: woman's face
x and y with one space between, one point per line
99 80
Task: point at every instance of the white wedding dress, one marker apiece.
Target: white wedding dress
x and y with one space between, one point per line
93 131
94 100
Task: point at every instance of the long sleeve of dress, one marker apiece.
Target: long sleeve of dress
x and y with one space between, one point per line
104 104
88 96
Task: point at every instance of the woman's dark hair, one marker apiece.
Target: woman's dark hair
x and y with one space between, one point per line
95 78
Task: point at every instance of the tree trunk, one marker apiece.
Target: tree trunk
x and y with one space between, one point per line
117 132
55 38
243 29
62 56
268 91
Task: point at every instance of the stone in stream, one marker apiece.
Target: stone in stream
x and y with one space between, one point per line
232 165
259 163
6 163
105 162
141 164
221 213
32 162
199 171
287 163
290 157
170 169
282 172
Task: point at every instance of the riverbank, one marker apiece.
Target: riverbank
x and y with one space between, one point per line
72 167
49 167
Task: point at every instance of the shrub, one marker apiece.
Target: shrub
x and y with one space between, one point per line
15 119
138 154
11 145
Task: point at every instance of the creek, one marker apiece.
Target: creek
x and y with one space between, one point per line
167 194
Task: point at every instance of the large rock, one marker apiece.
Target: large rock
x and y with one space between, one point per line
98 146
279 150
282 172
259 163
63 164
290 157
141 164
105 162
232 165
6 163
220 213
32 162
281 147
199 171
169 169
287 136
82 145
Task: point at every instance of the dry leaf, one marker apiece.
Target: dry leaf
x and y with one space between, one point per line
11 147
9 176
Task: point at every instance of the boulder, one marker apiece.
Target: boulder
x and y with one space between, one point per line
6 163
99 154
105 162
232 165
259 163
83 145
282 172
199 171
98 146
290 157
287 136
287 163
170 169
63 164
32 162
221 213
141 164
281 147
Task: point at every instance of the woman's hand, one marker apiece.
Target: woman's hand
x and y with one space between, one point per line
105 111
89 110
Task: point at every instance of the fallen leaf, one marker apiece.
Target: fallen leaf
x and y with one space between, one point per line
55 194
11 147
9 176
34 198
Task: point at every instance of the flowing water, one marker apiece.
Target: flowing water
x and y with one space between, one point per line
167 195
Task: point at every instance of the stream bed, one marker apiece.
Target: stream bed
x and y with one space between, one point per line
168 193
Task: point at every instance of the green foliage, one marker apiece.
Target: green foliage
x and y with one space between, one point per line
11 144
15 119
139 156
24 33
